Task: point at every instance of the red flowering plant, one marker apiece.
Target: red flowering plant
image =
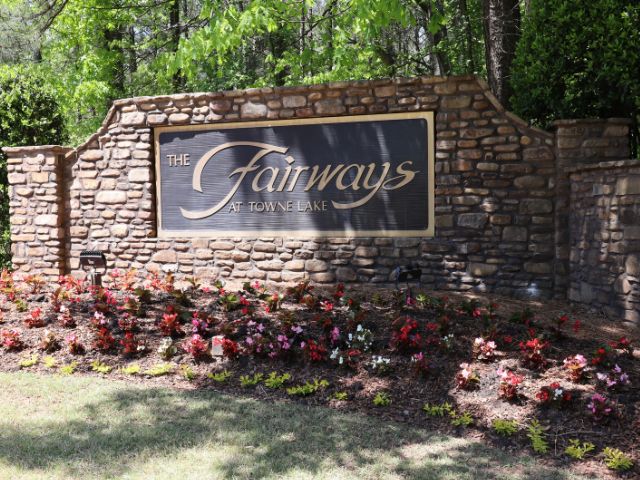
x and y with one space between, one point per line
467 378
132 306
170 325
246 307
300 291
34 318
558 325
554 395
71 284
602 356
197 347
531 353
35 283
405 337
623 344
130 344
509 382
230 349
58 298
11 340
103 300
99 320
273 302
124 281
74 344
575 366
103 340
8 285
314 351
127 322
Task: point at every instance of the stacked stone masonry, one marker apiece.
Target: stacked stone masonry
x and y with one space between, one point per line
605 237
496 185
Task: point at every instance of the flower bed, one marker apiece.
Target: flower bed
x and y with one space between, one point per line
546 381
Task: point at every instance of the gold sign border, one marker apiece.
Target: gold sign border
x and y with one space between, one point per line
214 234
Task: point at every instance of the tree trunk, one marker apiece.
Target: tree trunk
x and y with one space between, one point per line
501 19
174 24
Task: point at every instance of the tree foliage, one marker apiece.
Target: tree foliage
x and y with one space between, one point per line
578 60
29 115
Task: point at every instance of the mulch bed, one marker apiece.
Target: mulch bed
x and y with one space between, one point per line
447 331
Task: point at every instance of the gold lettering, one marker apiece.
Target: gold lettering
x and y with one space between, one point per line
354 183
405 176
374 188
269 186
323 179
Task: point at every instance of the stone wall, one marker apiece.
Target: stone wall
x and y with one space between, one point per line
580 142
605 237
495 189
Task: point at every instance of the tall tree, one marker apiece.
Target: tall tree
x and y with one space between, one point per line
501 31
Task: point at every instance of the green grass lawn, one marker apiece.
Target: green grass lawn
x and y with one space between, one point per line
55 427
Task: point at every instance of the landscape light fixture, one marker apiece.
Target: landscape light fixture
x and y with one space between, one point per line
91 261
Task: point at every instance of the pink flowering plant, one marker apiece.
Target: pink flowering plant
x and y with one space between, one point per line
600 407
614 379
484 349
467 378
509 382
575 367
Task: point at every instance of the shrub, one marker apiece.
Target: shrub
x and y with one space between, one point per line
577 69
29 115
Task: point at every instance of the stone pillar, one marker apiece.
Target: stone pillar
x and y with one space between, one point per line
579 142
36 209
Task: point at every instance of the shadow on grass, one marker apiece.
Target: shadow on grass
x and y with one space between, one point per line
124 429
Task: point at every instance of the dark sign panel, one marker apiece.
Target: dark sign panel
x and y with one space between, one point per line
345 176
